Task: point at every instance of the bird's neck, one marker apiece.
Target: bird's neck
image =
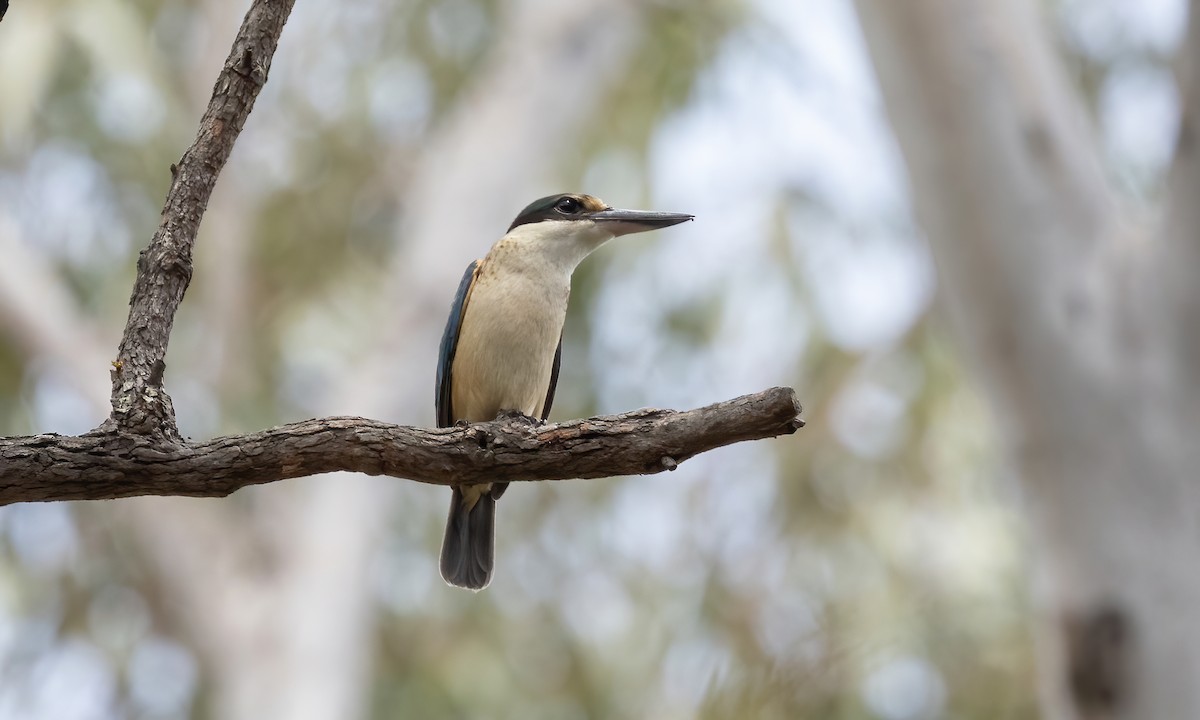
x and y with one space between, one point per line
550 250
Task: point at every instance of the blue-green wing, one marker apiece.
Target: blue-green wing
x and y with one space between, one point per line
445 413
553 380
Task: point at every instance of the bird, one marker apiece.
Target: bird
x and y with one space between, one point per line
502 347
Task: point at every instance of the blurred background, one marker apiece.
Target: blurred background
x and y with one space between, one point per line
871 566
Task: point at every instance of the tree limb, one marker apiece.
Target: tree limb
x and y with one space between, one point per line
106 464
139 403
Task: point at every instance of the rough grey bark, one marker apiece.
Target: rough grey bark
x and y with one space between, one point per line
1083 333
106 465
139 403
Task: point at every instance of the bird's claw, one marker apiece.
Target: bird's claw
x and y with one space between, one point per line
517 415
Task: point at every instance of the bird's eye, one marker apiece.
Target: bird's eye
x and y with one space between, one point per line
568 206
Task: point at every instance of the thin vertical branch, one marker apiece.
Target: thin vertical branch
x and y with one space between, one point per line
139 403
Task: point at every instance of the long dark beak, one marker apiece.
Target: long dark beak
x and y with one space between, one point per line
624 222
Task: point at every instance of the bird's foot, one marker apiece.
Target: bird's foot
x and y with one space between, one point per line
517 415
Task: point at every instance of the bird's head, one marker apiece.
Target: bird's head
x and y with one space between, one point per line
569 226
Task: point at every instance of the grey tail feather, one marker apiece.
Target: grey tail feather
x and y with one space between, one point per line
469 548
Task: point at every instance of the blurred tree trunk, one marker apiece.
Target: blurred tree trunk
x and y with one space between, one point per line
1083 329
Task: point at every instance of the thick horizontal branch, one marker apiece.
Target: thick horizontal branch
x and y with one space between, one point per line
106 464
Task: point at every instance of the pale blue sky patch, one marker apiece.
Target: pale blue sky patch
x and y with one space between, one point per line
163 677
904 687
129 107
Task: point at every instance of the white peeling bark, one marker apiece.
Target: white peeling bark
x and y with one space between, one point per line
1054 301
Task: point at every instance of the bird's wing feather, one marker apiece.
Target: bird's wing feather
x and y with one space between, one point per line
553 379
445 414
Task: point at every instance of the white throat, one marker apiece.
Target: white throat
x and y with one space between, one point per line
552 246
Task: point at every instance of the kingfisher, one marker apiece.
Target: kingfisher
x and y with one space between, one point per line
502 348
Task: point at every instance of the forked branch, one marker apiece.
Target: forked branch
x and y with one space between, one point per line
139 403
138 450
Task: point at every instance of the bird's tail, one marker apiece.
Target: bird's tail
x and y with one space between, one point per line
469 548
